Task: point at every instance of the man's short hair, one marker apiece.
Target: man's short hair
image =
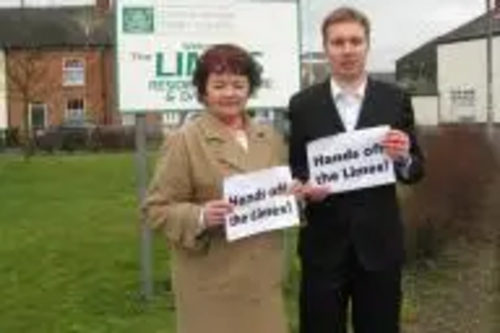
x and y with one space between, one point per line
346 14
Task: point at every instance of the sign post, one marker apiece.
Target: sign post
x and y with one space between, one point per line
142 184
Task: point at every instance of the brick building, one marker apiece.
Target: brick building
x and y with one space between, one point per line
58 65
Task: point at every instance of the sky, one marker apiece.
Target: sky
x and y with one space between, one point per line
398 26
7 3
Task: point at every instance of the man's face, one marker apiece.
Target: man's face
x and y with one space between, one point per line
346 47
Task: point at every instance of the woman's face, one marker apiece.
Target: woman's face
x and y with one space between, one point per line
226 94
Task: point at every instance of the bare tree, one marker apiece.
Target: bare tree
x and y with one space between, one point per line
26 71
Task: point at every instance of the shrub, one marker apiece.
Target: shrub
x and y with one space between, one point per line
12 137
114 138
107 138
459 165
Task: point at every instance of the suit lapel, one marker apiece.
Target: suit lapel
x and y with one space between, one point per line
327 106
368 113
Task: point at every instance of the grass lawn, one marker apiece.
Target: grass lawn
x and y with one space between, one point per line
69 249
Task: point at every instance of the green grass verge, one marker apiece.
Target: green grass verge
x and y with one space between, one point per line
69 249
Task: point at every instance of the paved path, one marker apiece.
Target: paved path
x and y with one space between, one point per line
460 292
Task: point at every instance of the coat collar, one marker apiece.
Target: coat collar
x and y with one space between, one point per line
366 113
224 147
337 91
214 129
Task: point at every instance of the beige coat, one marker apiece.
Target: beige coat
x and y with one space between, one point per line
220 287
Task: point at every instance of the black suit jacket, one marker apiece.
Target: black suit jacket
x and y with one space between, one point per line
367 220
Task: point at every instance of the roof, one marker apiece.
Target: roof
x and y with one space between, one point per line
54 27
477 28
424 53
387 77
474 29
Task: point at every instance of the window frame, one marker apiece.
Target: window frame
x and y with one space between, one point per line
67 110
68 69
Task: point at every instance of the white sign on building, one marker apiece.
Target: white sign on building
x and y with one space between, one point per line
159 41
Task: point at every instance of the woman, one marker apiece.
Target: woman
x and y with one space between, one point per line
220 287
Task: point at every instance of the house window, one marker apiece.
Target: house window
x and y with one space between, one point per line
75 110
73 72
38 115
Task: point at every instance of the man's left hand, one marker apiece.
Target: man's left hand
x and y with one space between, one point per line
397 145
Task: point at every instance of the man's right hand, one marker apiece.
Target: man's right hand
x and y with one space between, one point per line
315 193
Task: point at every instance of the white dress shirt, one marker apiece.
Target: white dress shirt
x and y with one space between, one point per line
348 103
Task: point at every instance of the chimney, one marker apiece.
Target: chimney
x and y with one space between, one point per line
102 6
496 10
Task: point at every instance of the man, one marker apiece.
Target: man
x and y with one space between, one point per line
351 248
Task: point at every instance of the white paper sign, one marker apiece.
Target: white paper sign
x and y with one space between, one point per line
351 161
261 202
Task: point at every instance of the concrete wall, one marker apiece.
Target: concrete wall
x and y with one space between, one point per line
426 110
462 81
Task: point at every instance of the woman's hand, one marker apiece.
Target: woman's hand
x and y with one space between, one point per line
308 191
215 212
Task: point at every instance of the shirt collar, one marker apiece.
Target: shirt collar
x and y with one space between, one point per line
337 91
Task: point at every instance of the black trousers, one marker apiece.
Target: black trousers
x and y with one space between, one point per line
328 295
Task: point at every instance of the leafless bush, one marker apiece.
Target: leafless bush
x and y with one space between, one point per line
98 138
446 204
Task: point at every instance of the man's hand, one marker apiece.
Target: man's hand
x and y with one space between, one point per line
311 192
397 145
